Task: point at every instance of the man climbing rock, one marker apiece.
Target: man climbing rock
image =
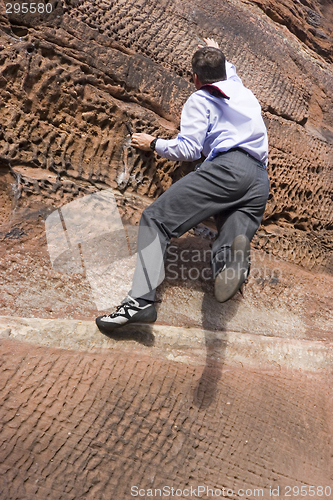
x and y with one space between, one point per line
221 120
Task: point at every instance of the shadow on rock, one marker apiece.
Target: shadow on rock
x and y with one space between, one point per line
139 333
213 314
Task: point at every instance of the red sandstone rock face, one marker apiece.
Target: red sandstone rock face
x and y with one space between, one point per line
310 21
74 85
90 426
77 82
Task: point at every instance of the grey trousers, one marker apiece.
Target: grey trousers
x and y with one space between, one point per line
233 188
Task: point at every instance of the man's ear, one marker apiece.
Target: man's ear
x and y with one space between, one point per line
197 82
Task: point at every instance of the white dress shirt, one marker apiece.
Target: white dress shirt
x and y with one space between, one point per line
211 125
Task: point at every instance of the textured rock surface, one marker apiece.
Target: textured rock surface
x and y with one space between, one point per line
75 83
89 426
234 395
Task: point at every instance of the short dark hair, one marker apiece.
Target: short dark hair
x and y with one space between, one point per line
208 63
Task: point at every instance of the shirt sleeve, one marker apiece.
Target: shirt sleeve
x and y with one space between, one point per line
188 144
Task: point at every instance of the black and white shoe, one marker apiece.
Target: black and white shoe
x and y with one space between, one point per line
128 312
235 271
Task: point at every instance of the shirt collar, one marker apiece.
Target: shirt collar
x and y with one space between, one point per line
214 90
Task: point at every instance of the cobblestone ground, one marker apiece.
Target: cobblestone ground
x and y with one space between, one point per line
117 424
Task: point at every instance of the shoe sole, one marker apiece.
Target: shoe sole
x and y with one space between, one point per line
140 317
229 281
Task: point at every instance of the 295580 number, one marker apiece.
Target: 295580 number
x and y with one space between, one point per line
309 491
28 8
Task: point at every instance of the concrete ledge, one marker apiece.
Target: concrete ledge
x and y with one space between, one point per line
184 345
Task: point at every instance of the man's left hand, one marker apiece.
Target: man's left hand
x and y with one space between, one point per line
142 141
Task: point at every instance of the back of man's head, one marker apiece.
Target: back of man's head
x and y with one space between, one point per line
208 63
